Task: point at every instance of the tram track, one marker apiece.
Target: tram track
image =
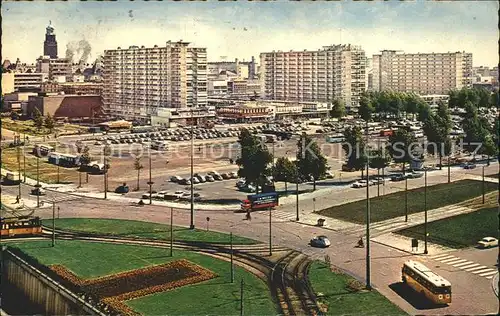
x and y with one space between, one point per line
282 271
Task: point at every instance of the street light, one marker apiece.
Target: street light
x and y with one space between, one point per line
425 210
191 226
38 181
368 273
150 182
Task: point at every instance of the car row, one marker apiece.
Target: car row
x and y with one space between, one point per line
172 196
211 176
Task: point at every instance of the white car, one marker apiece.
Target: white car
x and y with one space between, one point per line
487 242
179 194
361 184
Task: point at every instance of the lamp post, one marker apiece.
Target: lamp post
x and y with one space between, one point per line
191 226
425 210
482 185
150 182
38 181
18 161
449 171
24 159
368 263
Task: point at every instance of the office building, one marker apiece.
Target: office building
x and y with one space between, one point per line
432 73
58 69
336 71
138 81
16 81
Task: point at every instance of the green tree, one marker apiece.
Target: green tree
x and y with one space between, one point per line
49 122
138 166
484 97
85 158
354 148
400 147
424 111
437 131
37 118
285 170
338 108
254 160
366 108
310 160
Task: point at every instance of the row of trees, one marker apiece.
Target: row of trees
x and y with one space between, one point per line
256 163
40 121
480 136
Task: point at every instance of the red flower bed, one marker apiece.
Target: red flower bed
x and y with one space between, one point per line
114 289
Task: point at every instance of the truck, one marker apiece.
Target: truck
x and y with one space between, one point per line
260 201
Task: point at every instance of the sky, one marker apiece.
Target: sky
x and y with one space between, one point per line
243 29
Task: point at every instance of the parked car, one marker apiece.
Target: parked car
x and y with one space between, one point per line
209 178
218 177
414 175
469 165
377 180
233 175
195 180
248 188
360 184
38 191
175 178
487 242
225 176
398 177
122 189
241 183
185 182
320 241
178 194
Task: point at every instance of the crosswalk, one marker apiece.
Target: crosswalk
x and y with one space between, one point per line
278 215
467 265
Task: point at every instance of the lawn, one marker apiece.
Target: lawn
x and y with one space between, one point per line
129 228
458 231
28 127
341 294
48 172
214 297
393 205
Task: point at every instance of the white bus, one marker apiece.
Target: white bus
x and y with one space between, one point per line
42 150
427 283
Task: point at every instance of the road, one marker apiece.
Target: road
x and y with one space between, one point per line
468 286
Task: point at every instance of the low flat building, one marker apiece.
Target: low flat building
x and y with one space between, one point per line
244 113
17 81
168 117
66 106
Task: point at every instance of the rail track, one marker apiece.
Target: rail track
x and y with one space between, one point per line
285 271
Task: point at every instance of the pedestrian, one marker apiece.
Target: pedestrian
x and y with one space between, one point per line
17 199
249 217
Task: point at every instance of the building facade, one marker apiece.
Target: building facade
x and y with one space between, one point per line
434 73
15 81
58 69
336 71
50 43
138 80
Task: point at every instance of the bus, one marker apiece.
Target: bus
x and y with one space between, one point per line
335 138
64 160
424 281
42 150
260 201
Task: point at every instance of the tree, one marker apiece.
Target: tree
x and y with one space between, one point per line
285 170
37 118
254 160
338 108
138 166
310 160
85 158
366 108
437 130
424 111
401 148
484 97
379 159
354 147
49 122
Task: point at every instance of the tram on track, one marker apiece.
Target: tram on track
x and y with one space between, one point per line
22 226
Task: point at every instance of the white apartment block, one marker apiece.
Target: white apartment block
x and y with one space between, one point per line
138 80
15 81
336 71
433 73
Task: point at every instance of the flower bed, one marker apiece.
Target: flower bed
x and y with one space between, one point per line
114 289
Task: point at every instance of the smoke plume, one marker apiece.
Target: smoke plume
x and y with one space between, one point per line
78 51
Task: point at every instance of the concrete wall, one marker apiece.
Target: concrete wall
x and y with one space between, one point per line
40 289
74 106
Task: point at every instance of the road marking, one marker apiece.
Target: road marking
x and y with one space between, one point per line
482 271
440 255
469 266
488 273
458 260
460 265
449 260
476 268
444 258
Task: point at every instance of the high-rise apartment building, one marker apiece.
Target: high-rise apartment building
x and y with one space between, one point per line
433 73
50 43
336 71
138 80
